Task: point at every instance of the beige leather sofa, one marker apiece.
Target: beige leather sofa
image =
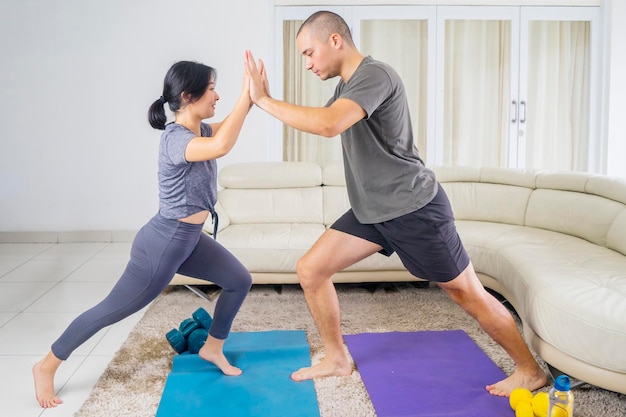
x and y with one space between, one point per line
553 244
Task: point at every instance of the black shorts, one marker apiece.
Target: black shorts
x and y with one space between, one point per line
426 240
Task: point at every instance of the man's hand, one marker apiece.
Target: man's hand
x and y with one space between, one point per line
259 85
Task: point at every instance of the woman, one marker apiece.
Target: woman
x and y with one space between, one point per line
173 240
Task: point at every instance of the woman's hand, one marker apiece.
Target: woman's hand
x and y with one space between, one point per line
245 89
259 85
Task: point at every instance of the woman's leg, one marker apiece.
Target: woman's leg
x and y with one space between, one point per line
212 262
157 251
43 374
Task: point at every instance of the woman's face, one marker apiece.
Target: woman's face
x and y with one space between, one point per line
205 105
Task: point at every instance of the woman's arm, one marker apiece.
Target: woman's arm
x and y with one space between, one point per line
216 126
225 133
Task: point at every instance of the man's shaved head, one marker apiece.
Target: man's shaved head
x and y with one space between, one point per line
324 23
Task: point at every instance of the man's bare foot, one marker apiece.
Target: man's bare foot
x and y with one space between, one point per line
44 386
323 369
518 379
218 359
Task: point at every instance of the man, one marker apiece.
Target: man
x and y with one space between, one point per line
396 202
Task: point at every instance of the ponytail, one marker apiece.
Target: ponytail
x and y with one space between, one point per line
156 114
190 78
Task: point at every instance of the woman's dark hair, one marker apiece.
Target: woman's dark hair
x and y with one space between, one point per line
191 78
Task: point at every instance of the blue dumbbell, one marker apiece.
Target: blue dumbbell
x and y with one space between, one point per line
178 338
203 318
196 340
187 326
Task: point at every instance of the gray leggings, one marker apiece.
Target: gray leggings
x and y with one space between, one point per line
160 249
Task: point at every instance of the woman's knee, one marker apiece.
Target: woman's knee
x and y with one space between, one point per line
239 279
245 281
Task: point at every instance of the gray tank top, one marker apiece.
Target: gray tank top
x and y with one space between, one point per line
185 187
385 176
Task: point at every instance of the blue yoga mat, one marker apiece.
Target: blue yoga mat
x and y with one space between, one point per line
427 374
197 388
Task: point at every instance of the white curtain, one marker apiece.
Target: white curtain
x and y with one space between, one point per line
554 116
476 92
304 88
557 128
403 44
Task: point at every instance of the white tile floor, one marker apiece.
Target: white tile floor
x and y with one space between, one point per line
42 288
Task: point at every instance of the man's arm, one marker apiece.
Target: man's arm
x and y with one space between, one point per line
324 121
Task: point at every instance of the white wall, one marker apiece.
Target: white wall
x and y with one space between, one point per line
76 80
616 83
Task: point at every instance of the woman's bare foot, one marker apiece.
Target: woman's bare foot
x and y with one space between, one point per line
212 352
518 379
323 369
43 375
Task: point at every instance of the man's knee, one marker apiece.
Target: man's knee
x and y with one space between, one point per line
308 272
302 268
467 291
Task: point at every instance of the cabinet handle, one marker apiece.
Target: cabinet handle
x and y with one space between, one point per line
523 119
514 120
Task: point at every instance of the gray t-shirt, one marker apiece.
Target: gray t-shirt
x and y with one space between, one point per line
385 176
185 187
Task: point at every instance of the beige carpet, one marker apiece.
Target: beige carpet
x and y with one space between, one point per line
133 382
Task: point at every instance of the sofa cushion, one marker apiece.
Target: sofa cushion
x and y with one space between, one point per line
575 298
280 205
506 176
616 238
577 214
336 203
612 188
333 174
559 282
518 177
488 202
276 247
270 175
457 173
569 181
270 247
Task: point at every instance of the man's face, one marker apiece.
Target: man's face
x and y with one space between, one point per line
318 54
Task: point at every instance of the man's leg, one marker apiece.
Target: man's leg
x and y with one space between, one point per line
467 291
333 252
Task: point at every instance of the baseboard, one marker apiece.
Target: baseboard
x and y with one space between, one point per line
68 236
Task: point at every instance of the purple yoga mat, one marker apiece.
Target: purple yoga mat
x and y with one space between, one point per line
427 374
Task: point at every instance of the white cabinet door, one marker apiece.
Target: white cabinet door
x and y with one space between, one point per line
511 86
515 87
405 38
558 124
477 78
